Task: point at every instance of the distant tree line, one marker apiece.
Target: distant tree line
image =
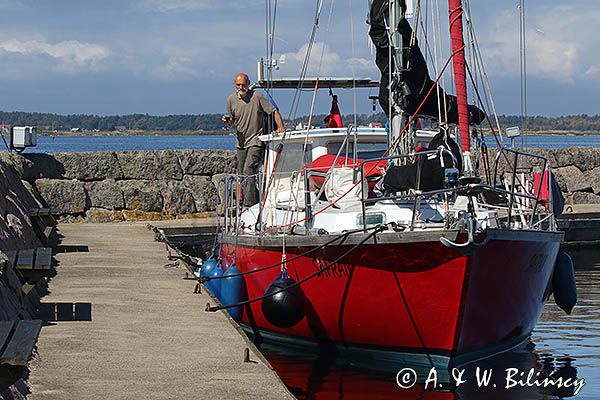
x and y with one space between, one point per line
212 122
209 122
572 123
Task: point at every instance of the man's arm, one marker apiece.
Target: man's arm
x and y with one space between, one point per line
279 121
228 119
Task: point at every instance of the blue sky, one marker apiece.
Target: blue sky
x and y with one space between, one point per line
179 56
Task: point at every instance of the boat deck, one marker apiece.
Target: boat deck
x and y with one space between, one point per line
581 224
149 337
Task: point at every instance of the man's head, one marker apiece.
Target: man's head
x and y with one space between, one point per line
241 82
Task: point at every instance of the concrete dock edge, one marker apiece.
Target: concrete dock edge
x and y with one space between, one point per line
149 336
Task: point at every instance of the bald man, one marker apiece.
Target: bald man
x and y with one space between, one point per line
246 109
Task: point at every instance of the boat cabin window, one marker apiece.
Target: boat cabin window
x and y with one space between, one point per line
366 150
292 159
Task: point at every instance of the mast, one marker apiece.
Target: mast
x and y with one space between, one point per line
460 76
397 12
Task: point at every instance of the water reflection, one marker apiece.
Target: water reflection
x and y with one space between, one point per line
562 346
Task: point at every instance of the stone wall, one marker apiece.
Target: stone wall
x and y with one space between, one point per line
114 186
577 171
16 232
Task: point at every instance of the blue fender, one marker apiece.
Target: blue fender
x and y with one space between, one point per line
212 269
563 283
232 291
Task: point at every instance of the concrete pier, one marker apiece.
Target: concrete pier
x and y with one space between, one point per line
149 337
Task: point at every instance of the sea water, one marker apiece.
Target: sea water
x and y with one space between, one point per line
563 348
47 144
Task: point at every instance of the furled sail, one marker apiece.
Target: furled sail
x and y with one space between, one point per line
414 82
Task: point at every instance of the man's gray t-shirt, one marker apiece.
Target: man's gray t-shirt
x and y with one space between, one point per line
248 117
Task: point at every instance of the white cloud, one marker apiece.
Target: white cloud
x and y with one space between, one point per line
593 71
558 43
176 68
193 5
70 54
326 63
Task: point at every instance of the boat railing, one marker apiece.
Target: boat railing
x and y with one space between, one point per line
525 193
230 188
523 206
415 196
518 202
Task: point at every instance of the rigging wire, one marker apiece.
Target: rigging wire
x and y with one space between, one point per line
299 89
481 66
523 57
435 63
273 36
315 90
439 39
319 69
268 38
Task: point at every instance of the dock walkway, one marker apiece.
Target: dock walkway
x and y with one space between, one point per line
149 337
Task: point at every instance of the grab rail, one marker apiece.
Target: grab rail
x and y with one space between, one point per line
468 189
531 194
545 168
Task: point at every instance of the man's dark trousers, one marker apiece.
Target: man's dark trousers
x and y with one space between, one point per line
248 164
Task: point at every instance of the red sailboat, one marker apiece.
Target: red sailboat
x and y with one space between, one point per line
449 261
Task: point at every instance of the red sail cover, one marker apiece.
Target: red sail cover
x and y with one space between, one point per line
460 72
373 169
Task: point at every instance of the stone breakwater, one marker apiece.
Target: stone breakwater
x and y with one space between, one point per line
16 232
577 171
115 186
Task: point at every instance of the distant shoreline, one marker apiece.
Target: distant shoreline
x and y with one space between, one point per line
135 133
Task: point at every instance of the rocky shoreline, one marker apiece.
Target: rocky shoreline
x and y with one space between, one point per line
16 232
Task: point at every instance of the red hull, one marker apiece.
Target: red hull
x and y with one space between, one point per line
413 296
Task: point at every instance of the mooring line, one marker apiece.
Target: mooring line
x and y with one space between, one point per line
209 308
342 236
